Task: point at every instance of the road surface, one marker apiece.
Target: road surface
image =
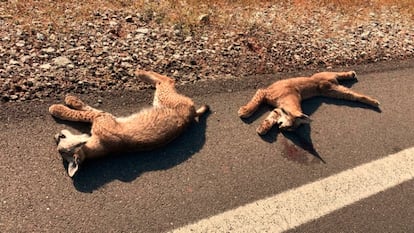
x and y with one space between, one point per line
221 165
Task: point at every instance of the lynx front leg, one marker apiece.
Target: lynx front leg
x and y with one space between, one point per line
253 105
269 122
341 92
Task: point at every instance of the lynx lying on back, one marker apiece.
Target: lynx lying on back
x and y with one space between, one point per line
147 129
286 96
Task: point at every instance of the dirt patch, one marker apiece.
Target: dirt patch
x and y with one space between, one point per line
95 47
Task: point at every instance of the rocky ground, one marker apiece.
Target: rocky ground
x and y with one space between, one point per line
100 54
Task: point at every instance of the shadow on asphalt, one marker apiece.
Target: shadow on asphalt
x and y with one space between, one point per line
301 137
127 167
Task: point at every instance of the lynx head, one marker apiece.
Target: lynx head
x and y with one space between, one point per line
69 147
290 121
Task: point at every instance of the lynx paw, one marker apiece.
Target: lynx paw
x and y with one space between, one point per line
56 109
74 102
376 103
244 112
262 130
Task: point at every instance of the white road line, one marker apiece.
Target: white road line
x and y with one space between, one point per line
297 206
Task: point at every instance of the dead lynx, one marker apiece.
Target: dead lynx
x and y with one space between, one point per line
286 96
147 129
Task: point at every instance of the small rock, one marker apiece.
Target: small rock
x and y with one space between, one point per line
365 35
14 97
5 98
76 49
13 62
129 19
20 44
204 19
30 82
142 30
24 59
19 32
126 65
48 50
177 32
72 79
40 36
46 66
113 23
62 61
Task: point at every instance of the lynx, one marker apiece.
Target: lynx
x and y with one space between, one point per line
286 96
147 129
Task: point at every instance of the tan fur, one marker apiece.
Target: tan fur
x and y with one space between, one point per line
286 96
145 130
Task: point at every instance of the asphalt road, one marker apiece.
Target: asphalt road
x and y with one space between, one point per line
219 164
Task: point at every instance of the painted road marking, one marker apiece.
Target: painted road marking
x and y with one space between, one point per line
297 206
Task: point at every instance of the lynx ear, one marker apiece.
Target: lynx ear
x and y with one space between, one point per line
72 168
304 119
73 165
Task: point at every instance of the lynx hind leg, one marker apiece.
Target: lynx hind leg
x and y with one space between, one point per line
248 109
350 75
76 103
341 92
65 113
152 77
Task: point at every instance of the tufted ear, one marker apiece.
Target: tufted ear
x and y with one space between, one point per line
72 168
74 160
304 119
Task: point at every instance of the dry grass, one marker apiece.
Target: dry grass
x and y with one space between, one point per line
62 13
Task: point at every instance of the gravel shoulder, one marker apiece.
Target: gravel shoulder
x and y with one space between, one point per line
101 53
